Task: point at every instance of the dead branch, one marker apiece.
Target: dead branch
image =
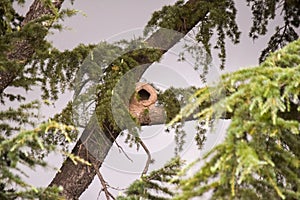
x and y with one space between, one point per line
108 195
119 146
149 157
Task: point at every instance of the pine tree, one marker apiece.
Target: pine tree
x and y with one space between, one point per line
259 158
28 59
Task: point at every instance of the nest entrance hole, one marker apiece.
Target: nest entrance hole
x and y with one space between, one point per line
143 95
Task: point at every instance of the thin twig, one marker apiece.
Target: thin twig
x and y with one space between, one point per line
108 195
120 148
111 196
99 194
149 157
116 188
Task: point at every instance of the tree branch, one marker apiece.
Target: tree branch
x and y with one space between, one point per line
148 159
119 147
108 195
76 182
23 50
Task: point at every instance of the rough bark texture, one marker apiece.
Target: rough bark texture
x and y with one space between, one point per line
76 178
23 50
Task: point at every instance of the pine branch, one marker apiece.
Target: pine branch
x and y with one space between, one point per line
23 49
259 154
162 40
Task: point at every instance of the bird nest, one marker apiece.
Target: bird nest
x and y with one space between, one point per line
142 101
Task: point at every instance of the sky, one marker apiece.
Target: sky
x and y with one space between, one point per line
108 20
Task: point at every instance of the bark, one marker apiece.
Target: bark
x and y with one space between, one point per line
23 50
76 178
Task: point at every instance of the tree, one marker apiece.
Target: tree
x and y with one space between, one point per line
29 59
23 45
259 158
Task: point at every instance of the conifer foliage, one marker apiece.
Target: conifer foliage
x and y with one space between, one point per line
260 156
259 159
157 184
27 59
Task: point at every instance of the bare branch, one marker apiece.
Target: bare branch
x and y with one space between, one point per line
149 157
108 195
120 148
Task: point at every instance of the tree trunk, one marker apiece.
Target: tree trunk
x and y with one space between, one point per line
76 178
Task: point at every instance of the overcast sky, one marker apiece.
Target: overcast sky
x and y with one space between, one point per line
111 19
